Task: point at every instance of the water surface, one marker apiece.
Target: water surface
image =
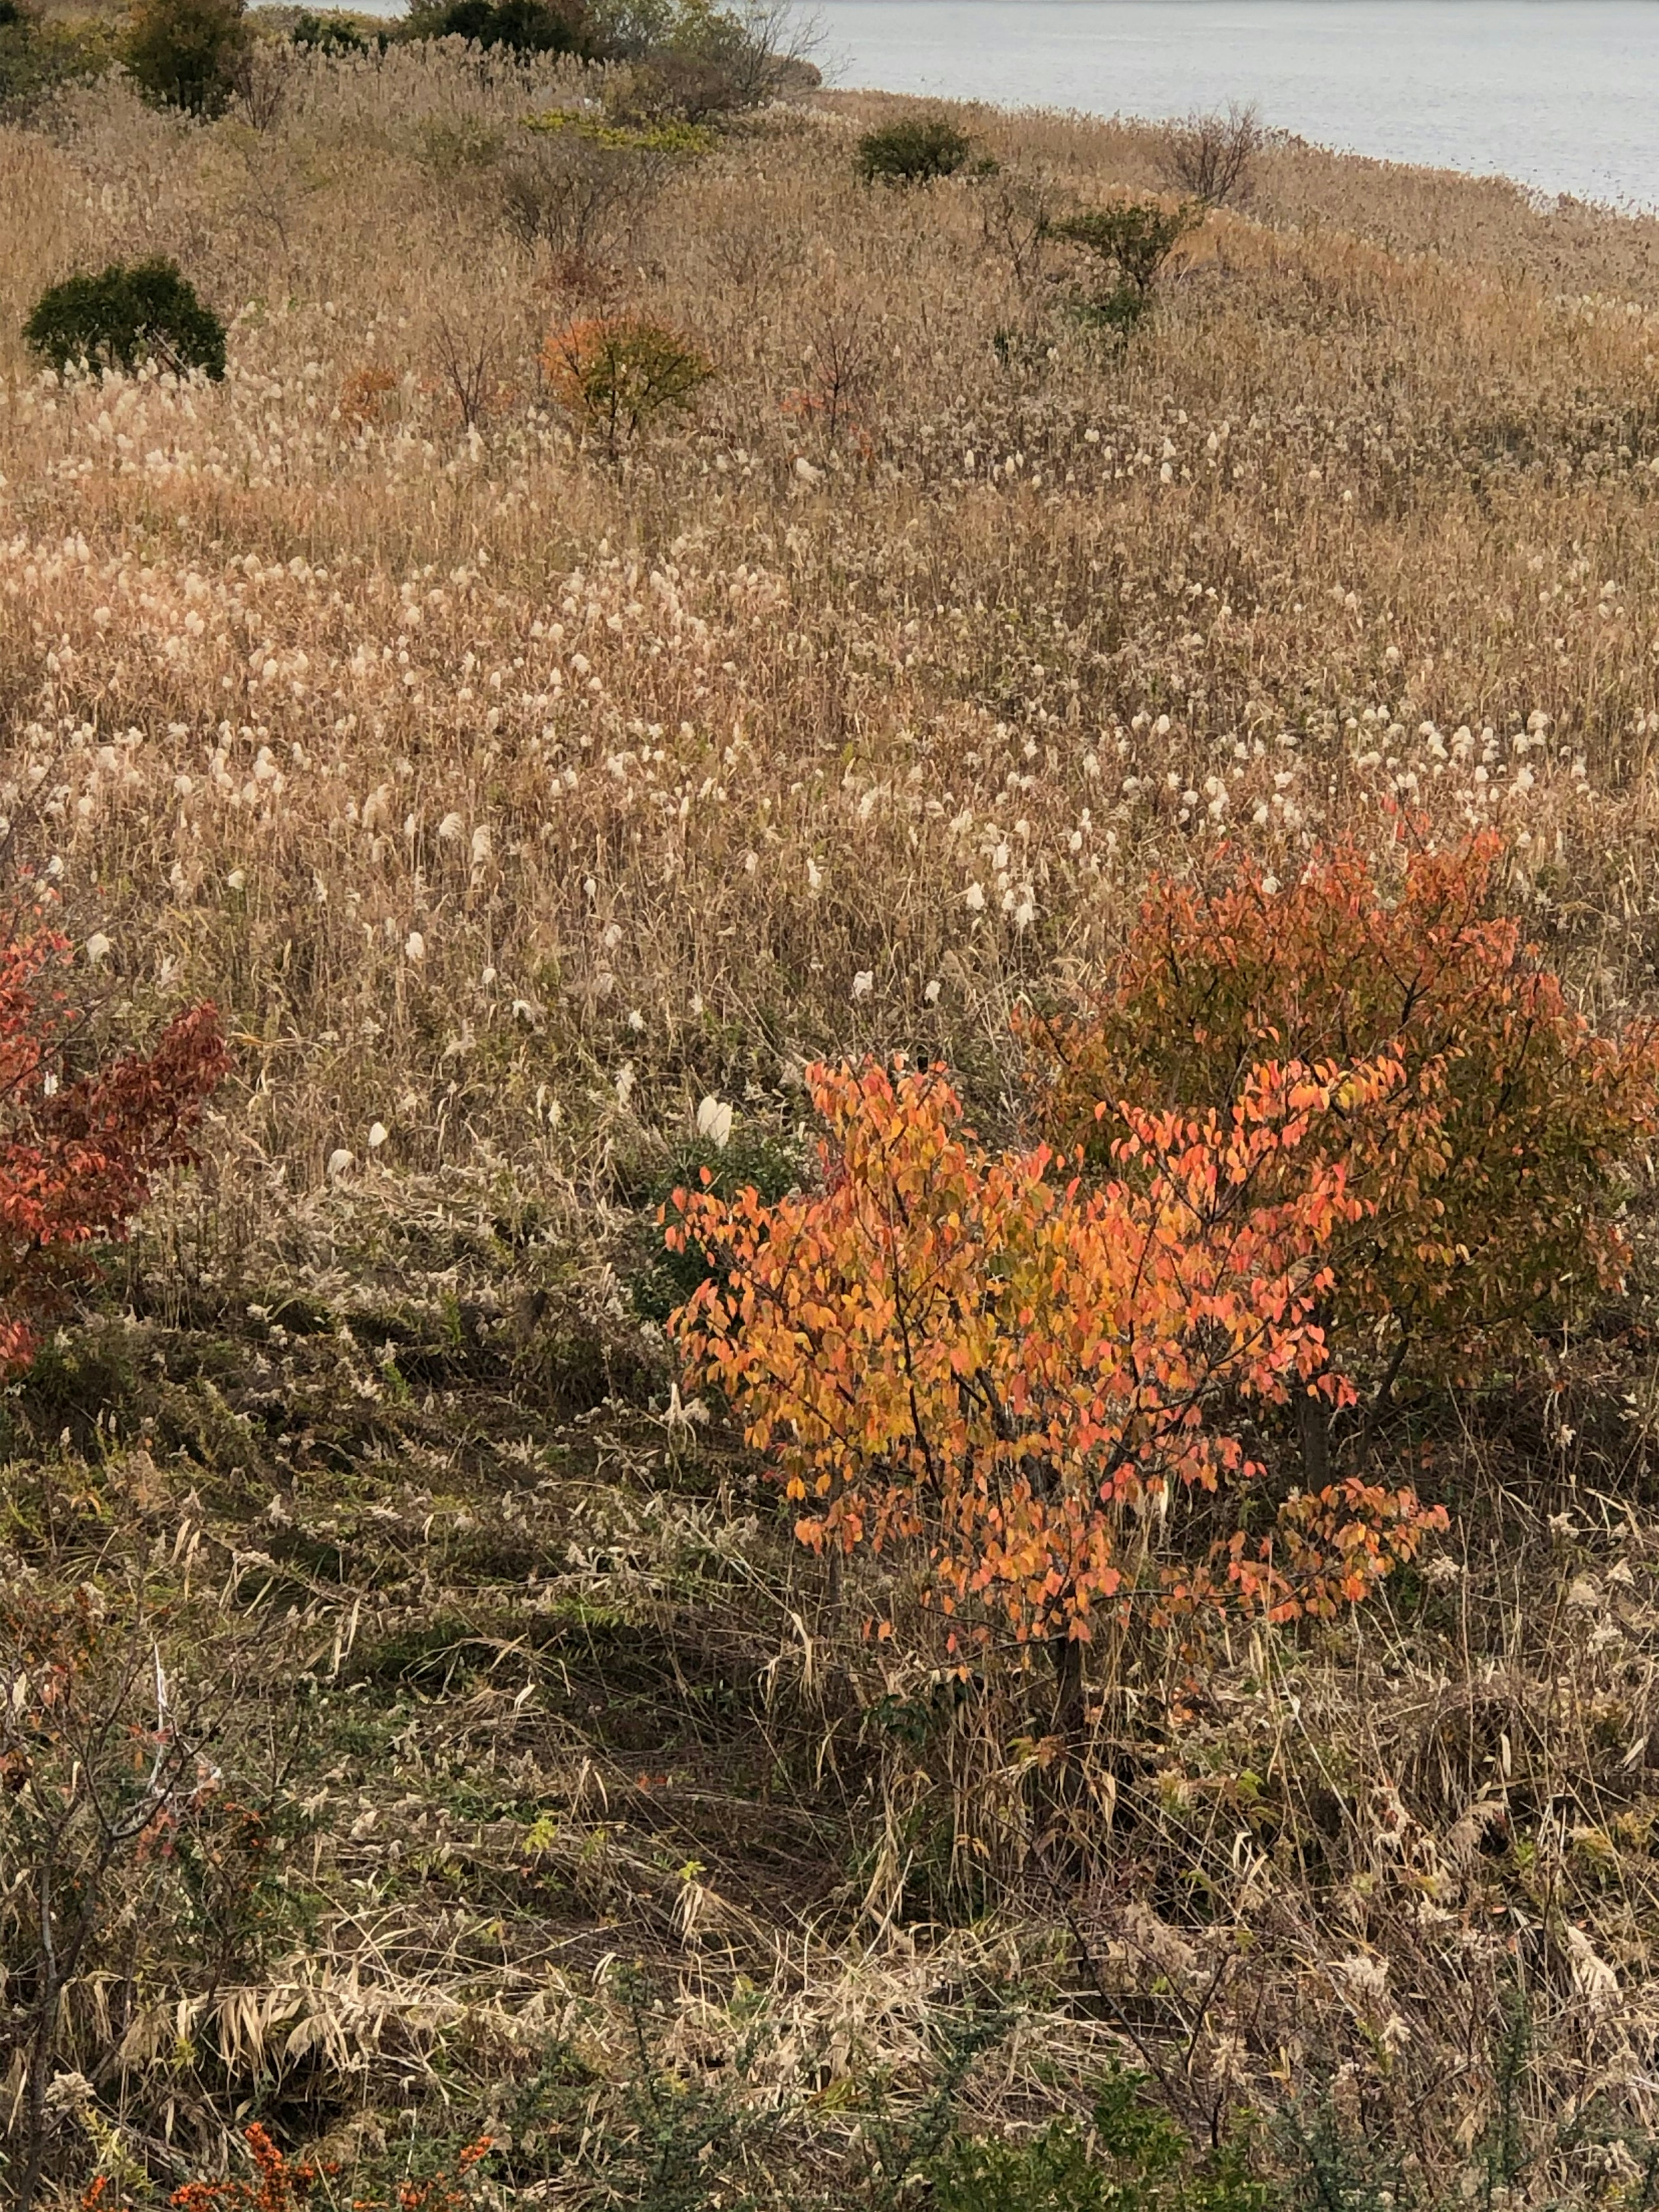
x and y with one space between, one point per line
1562 94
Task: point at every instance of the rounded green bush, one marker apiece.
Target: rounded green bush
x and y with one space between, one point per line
911 152
124 315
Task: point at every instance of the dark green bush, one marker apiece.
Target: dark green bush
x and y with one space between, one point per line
1115 313
911 152
524 27
330 34
125 315
186 53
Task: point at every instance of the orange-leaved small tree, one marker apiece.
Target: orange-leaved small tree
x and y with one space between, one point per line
1494 1170
616 373
971 1353
78 1153
286 2184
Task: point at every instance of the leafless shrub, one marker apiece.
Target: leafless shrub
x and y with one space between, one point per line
263 78
575 280
838 373
264 200
744 260
1016 218
469 353
575 194
1211 156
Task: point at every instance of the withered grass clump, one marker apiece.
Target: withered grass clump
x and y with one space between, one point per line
534 812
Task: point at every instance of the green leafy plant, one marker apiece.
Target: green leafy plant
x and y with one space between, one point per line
523 26
1133 2158
741 1157
457 147
902 2153
126 314
1128 243
676 2143
334 32
187 53
672 137
914 151
39 54
692 61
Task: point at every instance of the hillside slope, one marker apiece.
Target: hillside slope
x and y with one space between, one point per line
511 795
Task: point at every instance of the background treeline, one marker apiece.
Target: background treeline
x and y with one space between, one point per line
684 59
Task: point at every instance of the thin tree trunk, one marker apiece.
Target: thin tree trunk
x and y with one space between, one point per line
1314 1418
1067 1654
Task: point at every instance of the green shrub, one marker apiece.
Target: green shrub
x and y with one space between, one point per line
683 2144
1130 243
458 147
1116 312
330 34
186 53
911 152
126 315
1132 2159
616 373
694 61
523 26
714 62
751 1157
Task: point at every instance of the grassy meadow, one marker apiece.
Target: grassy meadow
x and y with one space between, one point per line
513 794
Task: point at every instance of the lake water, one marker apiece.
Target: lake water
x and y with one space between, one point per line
1562 94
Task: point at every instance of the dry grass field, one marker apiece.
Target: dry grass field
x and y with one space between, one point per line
511 796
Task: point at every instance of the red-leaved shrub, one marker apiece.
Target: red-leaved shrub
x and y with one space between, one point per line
79 1151
1495 1171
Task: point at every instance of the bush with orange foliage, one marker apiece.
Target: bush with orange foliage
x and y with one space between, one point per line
280 2185
616 373
973 1354
364 395
1306 1133
1493 1172
78 1153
